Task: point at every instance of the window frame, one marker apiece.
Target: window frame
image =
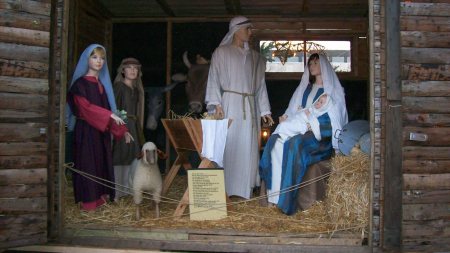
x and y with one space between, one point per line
297 75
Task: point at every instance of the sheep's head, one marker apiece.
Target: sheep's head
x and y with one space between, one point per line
149 153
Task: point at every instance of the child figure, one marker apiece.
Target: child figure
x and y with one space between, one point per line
305 119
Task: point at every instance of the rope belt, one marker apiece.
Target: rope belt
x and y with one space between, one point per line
244 95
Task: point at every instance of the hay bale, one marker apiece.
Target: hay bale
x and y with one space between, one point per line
348 191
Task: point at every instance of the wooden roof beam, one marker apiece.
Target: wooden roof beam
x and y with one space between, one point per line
166 8
233 7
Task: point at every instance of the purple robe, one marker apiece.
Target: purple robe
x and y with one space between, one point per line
92 141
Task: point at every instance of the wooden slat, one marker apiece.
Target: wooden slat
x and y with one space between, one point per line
424 24
14 230
23 176
27 6
422 212
437 136
426 196
278 240
17 219
426 104
426 229
207 246
22 148
426 166
426 182
78 249
24 20
36 239
425 55
426 153
23 191
23 69
24 102
24 205
24 53
424 9
425 88
426 119
28 132
393 155
23 162
433 244
178 134
16 116
426 72
23 85
425 39
24 36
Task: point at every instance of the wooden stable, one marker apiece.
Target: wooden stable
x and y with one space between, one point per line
405 59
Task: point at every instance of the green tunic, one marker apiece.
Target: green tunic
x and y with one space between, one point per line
127 99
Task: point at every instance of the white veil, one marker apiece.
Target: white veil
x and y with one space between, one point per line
332 86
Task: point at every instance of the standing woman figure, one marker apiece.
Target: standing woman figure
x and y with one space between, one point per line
129 94
90 115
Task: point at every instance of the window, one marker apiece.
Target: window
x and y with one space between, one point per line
289 56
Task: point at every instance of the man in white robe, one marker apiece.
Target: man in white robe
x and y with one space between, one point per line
236 90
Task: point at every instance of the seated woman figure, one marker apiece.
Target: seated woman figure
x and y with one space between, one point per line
286 159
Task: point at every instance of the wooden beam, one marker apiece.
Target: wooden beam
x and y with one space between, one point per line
169 43
392 210
274 18
233 7
166 8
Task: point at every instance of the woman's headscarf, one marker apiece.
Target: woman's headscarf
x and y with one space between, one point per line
104 78
332 87
138 84
235 24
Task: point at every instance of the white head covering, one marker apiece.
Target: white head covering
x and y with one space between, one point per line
317 112
235 24
332 87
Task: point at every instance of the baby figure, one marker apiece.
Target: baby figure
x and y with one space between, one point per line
305 119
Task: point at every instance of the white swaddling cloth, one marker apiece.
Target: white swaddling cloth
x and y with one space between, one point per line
214 139
298 122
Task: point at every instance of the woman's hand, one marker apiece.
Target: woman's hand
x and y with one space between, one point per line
117 119
282 118
128 137
219 112
268 119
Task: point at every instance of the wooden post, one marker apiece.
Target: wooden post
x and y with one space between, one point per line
64 61
392 211
168 81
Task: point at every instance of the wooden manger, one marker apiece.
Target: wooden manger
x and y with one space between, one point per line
186 136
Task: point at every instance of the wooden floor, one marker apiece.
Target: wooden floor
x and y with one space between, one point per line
74 249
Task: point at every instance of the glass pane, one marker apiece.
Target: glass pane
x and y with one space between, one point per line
338 53
288 56
282 55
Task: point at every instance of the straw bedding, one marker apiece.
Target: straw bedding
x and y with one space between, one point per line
345 208
347 201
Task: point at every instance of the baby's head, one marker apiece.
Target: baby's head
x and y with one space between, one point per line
321 101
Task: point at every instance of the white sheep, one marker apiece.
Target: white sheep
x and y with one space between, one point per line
145 176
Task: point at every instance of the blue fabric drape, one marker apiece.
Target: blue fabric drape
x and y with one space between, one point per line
299 152
80 70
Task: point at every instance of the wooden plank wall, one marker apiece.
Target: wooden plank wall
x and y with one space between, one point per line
24 63
91 23
425 77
